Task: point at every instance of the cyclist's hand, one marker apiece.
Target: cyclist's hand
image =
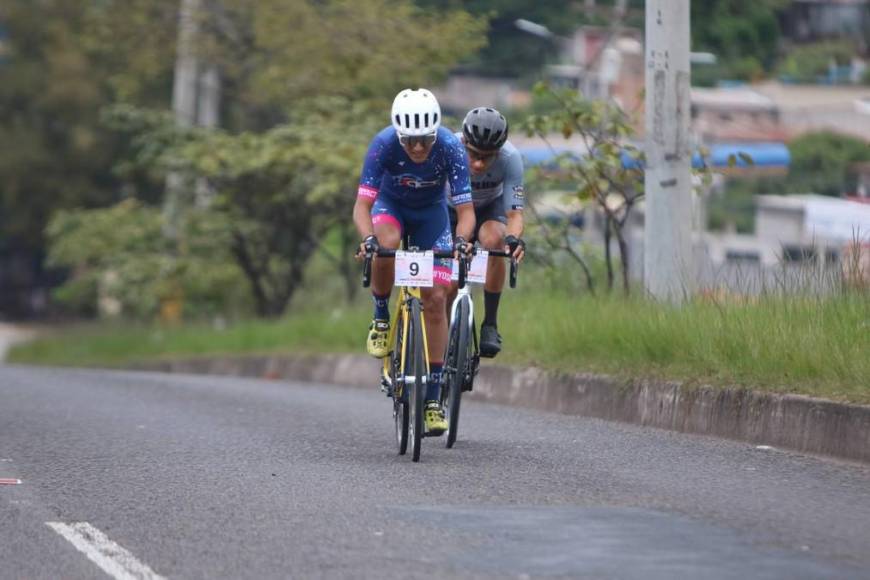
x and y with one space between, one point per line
461 248
516 246
369 245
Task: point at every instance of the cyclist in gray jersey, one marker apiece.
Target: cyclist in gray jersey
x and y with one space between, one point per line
497 192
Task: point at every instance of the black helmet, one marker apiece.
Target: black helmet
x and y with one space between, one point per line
485 129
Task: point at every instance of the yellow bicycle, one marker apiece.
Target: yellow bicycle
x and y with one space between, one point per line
406 369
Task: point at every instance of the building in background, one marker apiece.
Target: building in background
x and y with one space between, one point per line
812 20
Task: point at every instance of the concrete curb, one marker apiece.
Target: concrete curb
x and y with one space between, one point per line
788 421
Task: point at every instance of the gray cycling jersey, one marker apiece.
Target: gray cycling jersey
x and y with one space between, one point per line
503 178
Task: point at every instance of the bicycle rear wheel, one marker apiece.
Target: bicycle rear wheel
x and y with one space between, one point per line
415 373
457 363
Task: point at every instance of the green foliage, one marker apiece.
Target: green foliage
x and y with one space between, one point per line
744 34
596 170
273 53
735 207
52 152
509 51
120 254
808 63
279 191
820 162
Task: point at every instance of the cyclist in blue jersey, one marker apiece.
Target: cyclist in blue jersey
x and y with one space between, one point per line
498 196
401 192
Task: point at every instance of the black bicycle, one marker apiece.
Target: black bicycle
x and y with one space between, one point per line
462 359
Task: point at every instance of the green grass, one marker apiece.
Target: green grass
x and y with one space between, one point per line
812 346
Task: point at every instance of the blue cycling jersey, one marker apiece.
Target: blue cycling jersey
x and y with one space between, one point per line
389 172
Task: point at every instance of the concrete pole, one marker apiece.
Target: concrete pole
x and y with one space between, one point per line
669 271
184 86
207 115
184 105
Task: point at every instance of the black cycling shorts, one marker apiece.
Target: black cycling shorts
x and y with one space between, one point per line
493 211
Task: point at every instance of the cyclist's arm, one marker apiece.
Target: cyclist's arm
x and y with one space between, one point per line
367 192
362 217
515 223
514 195
465 220
460 188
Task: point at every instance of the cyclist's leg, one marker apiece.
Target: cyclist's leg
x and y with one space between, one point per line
454 286
491 235
387 222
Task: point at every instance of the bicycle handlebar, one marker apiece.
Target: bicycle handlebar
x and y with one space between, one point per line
463 264
514 264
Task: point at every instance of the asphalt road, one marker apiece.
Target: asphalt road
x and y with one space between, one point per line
208 477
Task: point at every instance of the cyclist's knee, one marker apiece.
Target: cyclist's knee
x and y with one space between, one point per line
491 235
389 236
435 301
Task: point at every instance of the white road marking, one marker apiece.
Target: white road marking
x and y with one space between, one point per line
109 556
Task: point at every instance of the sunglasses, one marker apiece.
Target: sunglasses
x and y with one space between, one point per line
484 156
424 140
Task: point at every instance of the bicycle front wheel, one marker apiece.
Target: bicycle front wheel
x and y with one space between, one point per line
414 376
456 362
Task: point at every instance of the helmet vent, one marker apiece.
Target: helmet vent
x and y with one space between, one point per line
416 120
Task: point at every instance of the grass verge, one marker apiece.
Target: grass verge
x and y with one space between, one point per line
813 346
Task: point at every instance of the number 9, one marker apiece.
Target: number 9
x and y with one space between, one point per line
415 268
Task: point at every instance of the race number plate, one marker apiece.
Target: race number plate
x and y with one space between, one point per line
414 269
477 271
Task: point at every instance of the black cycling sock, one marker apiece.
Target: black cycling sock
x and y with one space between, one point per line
490 307
433 387
382 306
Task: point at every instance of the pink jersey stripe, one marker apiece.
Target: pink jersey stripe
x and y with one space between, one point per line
367 192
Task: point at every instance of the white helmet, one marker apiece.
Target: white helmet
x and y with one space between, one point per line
416 113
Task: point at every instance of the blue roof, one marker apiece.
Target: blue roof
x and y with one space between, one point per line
762 154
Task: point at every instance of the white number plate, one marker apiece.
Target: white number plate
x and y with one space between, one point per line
414 269
477 271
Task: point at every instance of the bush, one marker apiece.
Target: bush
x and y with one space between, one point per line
805 64
820 162
119 262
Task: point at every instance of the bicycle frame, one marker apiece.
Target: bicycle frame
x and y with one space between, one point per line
402 313
462 293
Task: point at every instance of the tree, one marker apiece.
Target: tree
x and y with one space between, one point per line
55 76
510 51
279 191
69 59
820 162
275 53
600 172
744 34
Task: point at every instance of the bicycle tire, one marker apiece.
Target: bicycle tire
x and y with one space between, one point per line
457 359
417 395
400 396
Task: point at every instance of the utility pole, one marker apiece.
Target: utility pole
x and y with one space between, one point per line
184 106
669 270
195 102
